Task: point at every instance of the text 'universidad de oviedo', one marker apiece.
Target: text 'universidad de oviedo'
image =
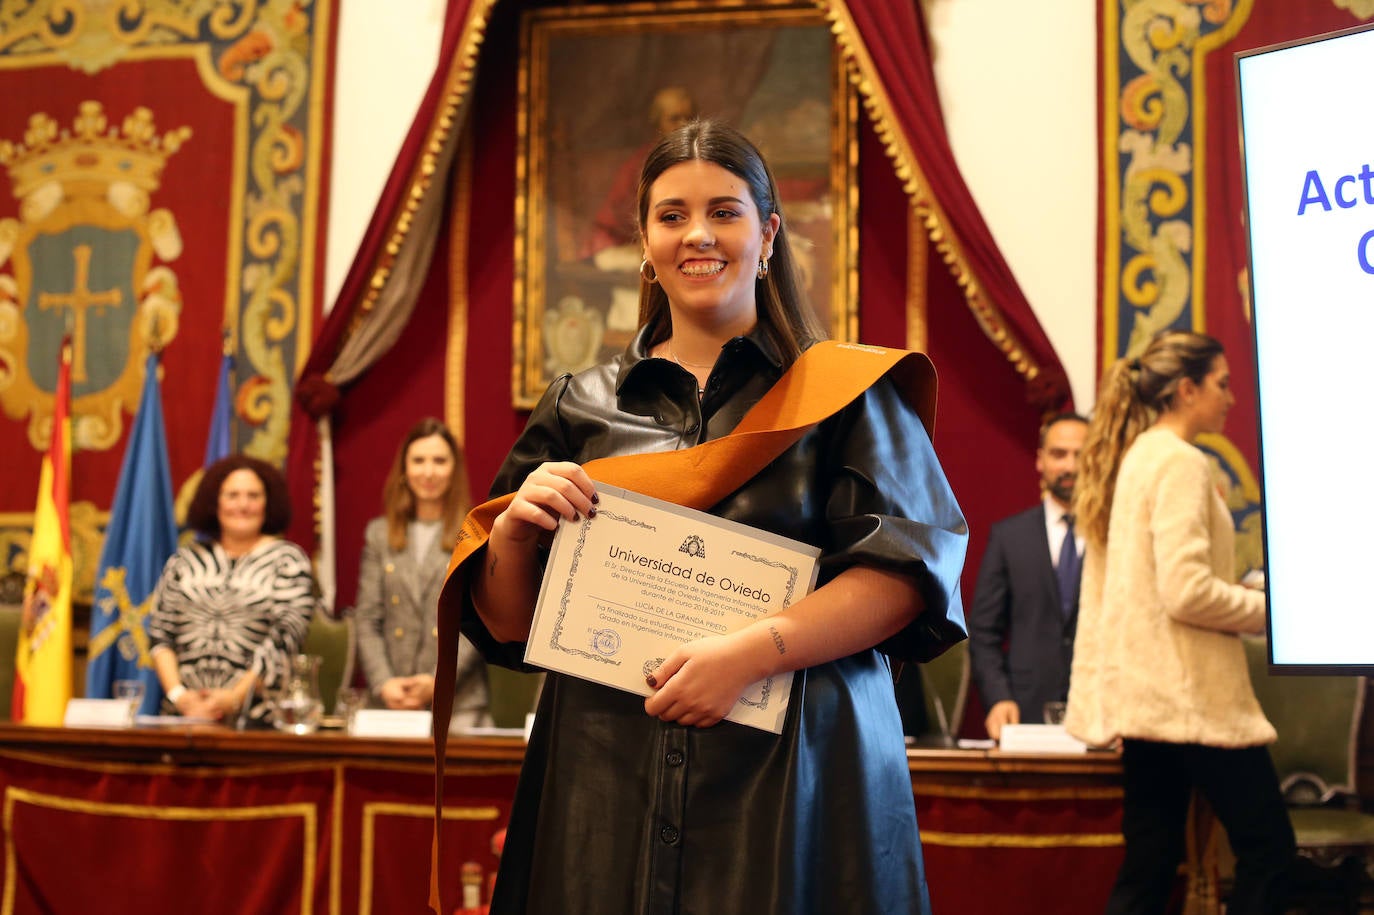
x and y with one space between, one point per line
687 573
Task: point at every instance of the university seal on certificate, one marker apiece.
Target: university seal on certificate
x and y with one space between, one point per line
623 588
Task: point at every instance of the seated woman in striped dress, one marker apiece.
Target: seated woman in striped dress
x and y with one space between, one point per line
234 605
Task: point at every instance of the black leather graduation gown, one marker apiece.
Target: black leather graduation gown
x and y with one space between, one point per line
617 812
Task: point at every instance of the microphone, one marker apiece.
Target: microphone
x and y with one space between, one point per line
942 718
944 738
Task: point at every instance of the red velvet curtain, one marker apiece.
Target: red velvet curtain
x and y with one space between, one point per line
315 395
894 35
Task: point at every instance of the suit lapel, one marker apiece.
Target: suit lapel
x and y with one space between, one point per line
1038 535
422 581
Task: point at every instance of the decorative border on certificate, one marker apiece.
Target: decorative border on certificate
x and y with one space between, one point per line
604 642
644 576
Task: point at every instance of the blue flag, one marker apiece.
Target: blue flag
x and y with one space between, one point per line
217 444
141 534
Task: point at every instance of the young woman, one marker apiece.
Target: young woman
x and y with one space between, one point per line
405 553
1158 661
657 805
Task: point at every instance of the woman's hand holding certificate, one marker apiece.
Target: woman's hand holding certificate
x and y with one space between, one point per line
625 588
701 681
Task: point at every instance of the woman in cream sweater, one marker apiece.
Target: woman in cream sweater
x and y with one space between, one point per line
1158 660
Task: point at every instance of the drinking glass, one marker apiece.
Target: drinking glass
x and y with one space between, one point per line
132 691
347 703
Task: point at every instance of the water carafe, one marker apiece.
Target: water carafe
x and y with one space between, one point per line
296 705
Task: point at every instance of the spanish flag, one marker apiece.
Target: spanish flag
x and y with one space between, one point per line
43 664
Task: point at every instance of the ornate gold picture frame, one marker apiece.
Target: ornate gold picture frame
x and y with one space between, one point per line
598 85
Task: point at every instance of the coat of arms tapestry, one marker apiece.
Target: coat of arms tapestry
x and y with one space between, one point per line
163 164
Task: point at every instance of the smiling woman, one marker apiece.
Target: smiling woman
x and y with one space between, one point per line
680 796
234 605
707 244
712 229
405 553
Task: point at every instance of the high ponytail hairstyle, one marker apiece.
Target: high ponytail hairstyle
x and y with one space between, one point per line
1134 392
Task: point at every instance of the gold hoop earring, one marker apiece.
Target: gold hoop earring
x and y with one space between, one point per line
651 276
763 268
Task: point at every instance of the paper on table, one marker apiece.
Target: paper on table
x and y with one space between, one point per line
1039 738
171 721
98 713
385 722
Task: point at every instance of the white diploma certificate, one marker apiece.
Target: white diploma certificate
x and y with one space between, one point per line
623 589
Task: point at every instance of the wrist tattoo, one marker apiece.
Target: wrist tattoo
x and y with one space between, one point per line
777 640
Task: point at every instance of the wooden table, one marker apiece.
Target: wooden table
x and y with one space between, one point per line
1018 834
215 745
207 819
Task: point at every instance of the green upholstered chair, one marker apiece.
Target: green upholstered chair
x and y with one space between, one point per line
513 695
335 641
944 682
1318 720
9 643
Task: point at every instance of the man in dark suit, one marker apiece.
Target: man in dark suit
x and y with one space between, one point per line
1021 625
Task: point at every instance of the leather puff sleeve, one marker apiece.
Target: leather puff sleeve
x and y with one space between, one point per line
890 506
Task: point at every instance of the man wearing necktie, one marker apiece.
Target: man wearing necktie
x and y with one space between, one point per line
1025 605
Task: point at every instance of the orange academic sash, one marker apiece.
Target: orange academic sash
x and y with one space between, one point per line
824 380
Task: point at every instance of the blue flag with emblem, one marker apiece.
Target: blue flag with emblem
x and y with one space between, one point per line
217 441
141 534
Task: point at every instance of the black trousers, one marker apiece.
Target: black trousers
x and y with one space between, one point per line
1242 788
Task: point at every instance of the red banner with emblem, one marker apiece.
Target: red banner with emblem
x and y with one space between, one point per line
164 189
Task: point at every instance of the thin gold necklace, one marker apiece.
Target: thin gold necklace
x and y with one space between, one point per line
701 392
683 362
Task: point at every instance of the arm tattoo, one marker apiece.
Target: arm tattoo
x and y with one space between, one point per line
491 569
777 640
